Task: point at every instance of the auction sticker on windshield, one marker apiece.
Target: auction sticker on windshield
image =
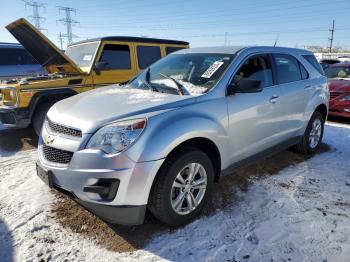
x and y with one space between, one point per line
212 69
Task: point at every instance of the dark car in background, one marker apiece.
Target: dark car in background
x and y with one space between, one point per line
339 86
16 62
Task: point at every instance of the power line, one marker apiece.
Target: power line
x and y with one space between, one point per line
69 22
36 18
330 39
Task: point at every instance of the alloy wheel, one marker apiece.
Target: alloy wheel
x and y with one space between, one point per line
188 189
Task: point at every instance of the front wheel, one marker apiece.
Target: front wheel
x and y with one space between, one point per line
312 137
182 187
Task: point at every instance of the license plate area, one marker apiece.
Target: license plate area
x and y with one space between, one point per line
44 175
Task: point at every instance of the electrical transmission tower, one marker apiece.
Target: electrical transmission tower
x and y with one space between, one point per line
68 21
36 18
331 38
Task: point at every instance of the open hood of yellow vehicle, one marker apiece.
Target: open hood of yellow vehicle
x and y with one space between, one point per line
41 48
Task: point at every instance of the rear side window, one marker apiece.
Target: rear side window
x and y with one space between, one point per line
289 69
171 49
147 55
313 61
116 56
16 56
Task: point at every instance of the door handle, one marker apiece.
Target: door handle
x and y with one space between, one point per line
307 87
274 99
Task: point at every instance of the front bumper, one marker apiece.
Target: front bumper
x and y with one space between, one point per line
15 117
88 168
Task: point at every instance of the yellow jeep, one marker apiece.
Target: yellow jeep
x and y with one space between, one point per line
83 66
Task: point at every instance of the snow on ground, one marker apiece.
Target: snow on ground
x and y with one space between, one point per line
302 213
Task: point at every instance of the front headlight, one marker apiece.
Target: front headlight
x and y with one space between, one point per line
9 96
345 98
116 137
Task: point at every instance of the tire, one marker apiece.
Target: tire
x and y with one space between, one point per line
164 195
305 146
39 116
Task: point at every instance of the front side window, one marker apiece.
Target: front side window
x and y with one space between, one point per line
196 73
288 68
147 55
256 68
116 57
337 72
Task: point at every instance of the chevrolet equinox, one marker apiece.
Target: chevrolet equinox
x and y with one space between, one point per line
160 141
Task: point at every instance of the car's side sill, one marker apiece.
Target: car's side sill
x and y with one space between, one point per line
264 154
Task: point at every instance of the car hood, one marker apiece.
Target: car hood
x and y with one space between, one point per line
41 48
339 85
90 110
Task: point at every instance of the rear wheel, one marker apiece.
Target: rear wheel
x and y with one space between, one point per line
39 116
182 187
312 137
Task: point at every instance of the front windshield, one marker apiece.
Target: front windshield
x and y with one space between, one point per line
188 74
337 72
82 54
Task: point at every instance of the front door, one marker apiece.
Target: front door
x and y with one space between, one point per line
118 64
254 118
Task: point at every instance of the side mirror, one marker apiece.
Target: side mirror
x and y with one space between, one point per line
244 85
102 65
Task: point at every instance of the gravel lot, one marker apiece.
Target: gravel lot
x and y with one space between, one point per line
286 208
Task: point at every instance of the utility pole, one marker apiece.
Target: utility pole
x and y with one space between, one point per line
60 36
331 38
36 18
68 21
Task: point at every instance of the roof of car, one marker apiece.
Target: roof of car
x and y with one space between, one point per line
134 39
10 45
235 49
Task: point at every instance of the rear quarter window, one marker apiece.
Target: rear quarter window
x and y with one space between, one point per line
172 49
313 61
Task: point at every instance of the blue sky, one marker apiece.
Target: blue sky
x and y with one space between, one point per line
201 22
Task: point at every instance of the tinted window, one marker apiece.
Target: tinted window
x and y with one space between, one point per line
147 55
256 68
287 68
312 60
117 56
15 56
171 49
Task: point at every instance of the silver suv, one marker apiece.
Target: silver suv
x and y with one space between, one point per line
160 141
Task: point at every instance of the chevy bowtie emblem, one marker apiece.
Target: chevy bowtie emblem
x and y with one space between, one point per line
48 139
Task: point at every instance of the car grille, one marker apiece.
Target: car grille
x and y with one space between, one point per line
56 155
63 129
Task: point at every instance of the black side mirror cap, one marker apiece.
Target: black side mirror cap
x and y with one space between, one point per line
244 85
102 65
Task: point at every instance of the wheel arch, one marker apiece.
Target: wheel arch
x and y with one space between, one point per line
205 145
48 95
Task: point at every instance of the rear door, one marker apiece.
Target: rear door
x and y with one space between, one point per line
147 54
295 90
120 65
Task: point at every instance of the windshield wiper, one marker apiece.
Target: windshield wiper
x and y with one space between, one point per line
182 90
